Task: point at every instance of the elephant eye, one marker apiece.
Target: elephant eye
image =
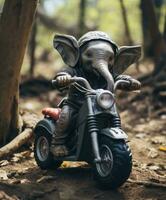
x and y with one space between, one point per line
89 55
110 59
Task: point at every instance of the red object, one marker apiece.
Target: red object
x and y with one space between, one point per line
52 112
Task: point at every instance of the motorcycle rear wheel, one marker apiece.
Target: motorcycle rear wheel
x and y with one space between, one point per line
43 157
113 173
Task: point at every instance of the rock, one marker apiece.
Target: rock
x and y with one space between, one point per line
158 140
3 175
163 117
143 166
153 153
142 120
16 158
26 154
140 135
11 174
4 163
154 167
32 155
25 181
14 181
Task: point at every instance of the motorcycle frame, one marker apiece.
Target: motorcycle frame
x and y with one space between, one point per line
88 133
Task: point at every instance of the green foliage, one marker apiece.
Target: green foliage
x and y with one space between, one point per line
105 15
68 12
1 4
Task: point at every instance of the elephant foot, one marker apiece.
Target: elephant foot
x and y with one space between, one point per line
59 150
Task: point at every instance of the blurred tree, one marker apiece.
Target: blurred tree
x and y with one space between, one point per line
126 24
158 49
150 26
15 25
53 23
158 6
164 33
32 48
82 13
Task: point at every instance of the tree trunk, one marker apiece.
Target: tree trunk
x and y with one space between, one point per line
32 48
82 9
158 51
158 5
153 40
15 26
164 33
126 24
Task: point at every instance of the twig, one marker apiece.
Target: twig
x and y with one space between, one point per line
147 183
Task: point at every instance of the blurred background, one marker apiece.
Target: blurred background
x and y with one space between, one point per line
128 22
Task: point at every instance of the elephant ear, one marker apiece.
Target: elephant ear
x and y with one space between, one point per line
126 56
68 48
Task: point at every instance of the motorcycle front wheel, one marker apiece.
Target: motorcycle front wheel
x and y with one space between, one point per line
116 166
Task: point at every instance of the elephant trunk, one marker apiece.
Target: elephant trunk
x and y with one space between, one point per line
102 68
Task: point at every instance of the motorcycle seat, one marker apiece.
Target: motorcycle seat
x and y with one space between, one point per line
52 112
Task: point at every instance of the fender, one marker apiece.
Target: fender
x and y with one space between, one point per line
47 124
114 133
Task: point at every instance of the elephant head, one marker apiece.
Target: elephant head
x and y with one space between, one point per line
96 53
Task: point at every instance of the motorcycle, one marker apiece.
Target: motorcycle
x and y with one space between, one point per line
97 137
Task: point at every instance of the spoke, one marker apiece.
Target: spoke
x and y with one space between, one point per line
105 168
43 148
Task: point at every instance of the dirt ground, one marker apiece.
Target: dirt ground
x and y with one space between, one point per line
20 177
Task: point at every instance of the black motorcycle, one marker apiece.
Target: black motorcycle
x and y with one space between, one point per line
97 137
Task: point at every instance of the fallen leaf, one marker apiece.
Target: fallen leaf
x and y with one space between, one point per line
162 148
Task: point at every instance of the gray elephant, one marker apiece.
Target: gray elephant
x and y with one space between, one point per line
98 59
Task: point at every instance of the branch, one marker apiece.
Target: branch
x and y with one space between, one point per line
16 143
29 122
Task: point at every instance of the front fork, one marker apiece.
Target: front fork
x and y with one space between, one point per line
93 130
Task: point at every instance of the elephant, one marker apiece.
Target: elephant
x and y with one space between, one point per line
96 57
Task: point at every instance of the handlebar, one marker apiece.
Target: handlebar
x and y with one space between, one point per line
119 82
86 83
76 79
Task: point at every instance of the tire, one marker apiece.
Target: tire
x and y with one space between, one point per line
44 160
113 174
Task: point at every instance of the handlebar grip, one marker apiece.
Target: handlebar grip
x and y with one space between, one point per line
54 83
72 80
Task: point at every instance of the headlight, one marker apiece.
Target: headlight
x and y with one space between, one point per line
105 100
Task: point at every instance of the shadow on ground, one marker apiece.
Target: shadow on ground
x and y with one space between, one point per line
71 184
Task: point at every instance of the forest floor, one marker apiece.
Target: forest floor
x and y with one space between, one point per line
20 177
